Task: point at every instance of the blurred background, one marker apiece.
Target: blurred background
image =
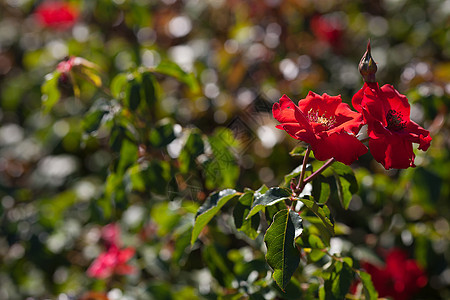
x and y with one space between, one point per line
245 55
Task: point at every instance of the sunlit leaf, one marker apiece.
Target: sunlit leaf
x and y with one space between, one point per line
345 181
271 197
172 69
209 209
294 173
94 117
192 148
50 91
118 85
320 211
369 290
282 253
341 279
165 217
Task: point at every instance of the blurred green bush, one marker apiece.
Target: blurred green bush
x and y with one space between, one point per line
62 177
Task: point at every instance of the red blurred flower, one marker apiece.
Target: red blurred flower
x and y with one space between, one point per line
324 122
56 14
400 279
390 129
328 28
113 261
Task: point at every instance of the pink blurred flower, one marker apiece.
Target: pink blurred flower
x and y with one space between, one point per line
400 279
111 234
56 15
113 261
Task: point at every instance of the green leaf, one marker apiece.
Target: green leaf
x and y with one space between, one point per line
241 210
163 133
192 148
262 189
134 180
369 290
282 253
320 211
316 255
319 229
128 156
271 197
271 211
344 179
342 278
344 194
222 170
148 84
114 195
181 249
157 175
122 129
172 69
118 85
209 209
50 91
218 263
298 151
94 118
295 173
134 95
165 216
345 182
52 209
321 189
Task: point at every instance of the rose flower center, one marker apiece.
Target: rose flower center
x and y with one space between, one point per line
394 121
327 122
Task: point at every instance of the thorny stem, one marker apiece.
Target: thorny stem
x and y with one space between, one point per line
302 181
320 170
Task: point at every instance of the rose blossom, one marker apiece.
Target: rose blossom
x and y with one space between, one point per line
387 114
401 278
324 122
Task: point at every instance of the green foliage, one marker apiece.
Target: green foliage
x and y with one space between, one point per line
321 211
192 149
172 69
50 91
369 289
209 209
157 127
269 198
240 212
282 254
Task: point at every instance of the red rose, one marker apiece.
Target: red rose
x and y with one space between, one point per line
400 279
56 15
390 129
325 123
113 261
